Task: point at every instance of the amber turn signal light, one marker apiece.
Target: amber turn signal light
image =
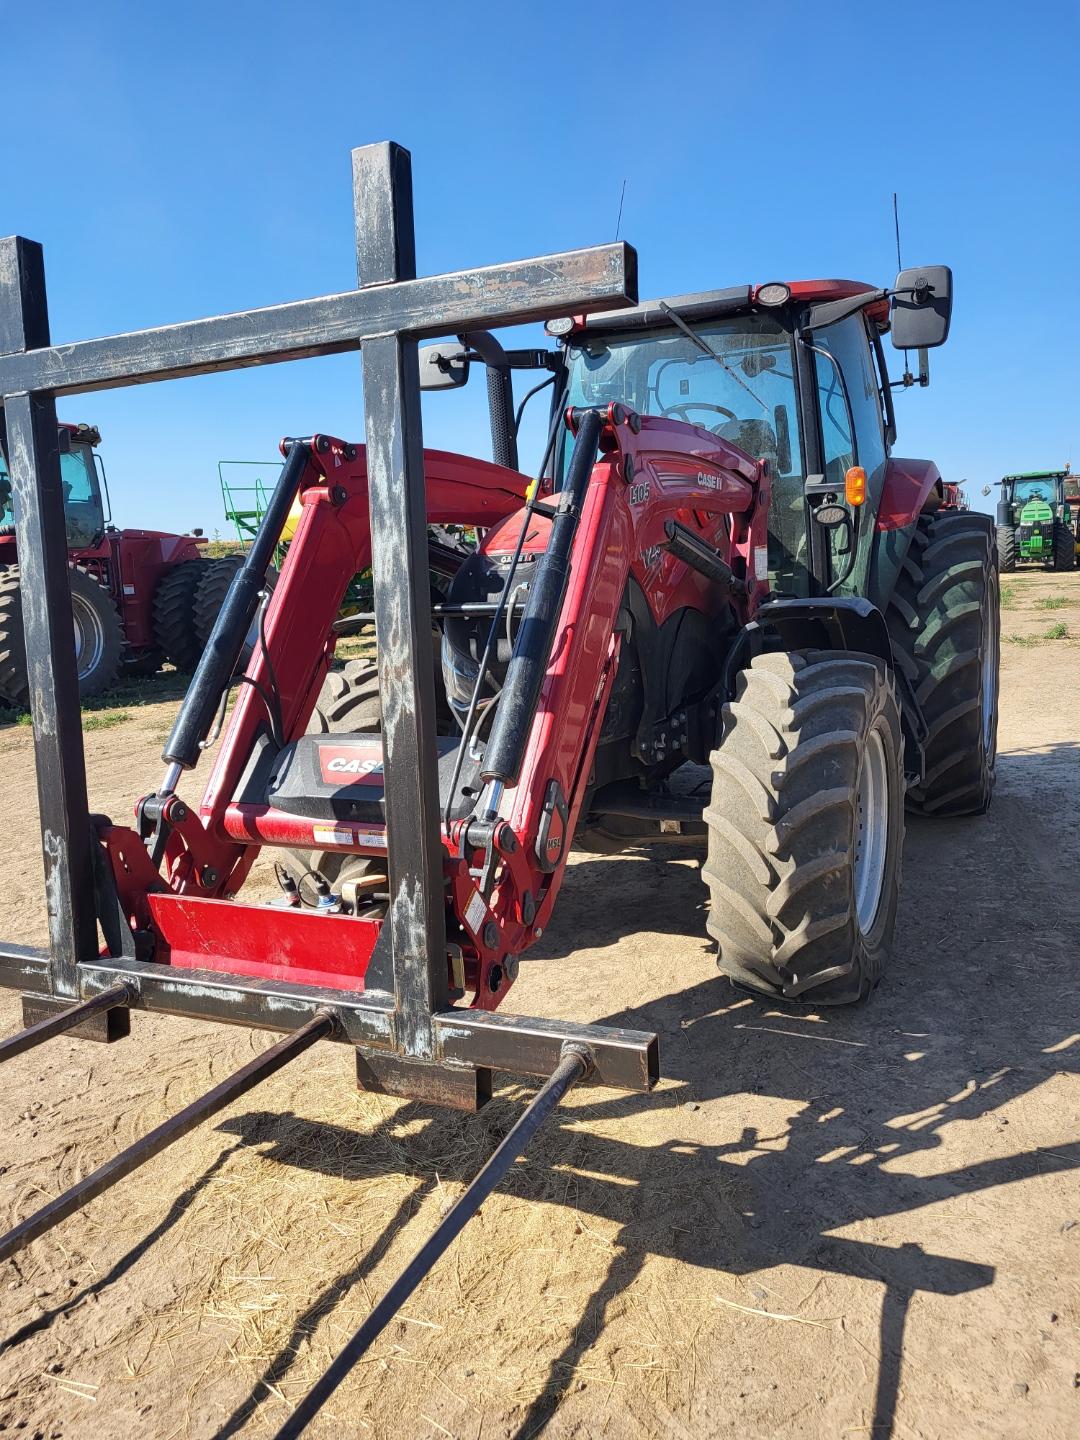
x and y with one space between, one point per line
855 485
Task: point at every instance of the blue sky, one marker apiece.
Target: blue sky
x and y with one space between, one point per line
181 161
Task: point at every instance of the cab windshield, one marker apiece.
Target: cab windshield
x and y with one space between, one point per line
1026 490
747 397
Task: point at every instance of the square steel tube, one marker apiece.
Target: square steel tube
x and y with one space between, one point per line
519 1044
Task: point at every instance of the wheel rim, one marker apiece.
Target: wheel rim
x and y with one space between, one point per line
990 665
89 636
871 830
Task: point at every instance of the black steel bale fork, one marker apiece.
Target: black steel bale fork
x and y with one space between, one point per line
409 1040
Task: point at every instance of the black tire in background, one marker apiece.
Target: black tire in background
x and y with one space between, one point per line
1064 552
806 826
945 623
1006 547
99 637
174 613
210 593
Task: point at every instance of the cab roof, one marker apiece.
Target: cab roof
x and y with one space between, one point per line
712 304
1037 475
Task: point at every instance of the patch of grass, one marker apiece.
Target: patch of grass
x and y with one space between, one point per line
24 718
104 719
1060 631
1025 640
1008 595
1052 602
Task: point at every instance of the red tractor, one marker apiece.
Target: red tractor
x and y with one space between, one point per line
722 566
133 592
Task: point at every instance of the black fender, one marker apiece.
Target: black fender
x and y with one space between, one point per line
828 622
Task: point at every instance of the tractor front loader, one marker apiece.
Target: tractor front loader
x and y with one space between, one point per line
716 568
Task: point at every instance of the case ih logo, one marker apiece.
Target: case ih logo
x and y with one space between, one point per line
351 765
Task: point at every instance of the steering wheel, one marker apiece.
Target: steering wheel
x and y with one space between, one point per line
680 410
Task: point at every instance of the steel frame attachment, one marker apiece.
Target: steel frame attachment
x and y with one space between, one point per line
384 318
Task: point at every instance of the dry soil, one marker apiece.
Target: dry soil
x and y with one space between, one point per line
863 1223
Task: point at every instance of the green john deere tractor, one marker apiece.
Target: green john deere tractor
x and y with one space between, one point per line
1036 521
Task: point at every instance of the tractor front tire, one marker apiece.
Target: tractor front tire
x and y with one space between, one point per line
1006 547
1064 551
99 636
944 619
174 613
806 827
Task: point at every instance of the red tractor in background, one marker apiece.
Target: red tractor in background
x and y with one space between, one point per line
133 592
954 496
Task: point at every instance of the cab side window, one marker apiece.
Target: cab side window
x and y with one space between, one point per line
837 430
852 427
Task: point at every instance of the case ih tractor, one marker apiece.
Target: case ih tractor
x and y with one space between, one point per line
755 583
134 593
722 610
1036 523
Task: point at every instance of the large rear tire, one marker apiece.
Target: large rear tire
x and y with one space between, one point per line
99 637
1006 547
944 618
1064 554
806 827
174 613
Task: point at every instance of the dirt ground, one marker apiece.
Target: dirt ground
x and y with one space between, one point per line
864 1223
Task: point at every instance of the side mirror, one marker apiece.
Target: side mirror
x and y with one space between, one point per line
443 367
986 489
922 307
63 439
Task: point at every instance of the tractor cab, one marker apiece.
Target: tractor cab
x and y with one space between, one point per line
793 374
82 474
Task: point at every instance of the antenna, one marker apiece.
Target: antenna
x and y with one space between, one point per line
622 197
908 378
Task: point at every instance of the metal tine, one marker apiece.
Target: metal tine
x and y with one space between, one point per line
107 1175
66 1020
576 1062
